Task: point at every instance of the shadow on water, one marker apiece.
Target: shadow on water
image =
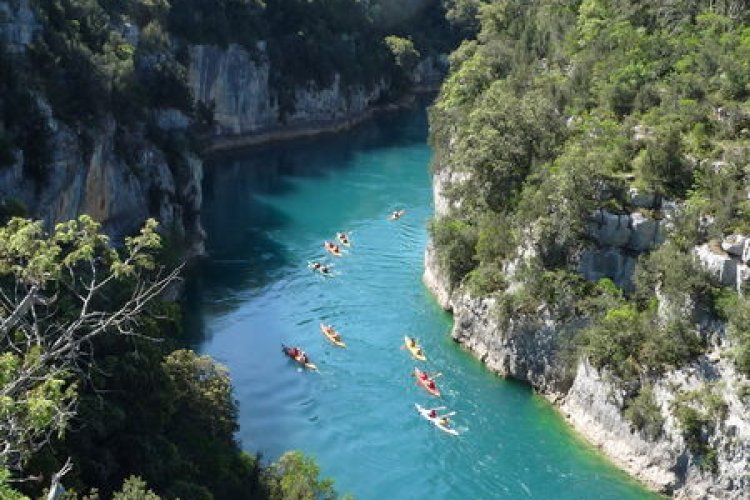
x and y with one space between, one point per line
242 256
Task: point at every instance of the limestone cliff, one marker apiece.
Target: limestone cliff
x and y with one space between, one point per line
532 346
236 84
120 182
100 183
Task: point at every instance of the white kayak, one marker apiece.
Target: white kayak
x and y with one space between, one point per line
436 421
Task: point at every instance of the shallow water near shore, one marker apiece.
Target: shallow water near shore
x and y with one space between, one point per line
267 212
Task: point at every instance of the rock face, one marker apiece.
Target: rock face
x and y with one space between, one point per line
237 84
531 346
620 239
120 194
101 184
18 25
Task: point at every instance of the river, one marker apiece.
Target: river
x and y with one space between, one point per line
267 212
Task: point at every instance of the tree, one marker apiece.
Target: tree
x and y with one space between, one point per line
297 479
58 293
404 53
134 488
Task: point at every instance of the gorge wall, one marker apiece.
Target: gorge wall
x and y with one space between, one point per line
122 172
534 347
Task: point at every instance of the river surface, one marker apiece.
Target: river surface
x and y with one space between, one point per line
267 212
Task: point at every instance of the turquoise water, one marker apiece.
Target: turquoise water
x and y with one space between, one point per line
267 213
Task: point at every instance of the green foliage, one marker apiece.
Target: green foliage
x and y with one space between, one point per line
62 286
134 488
632 343
678 276
697 413
662 167
455 241
403 51
6 492
736 310
643 412
295 477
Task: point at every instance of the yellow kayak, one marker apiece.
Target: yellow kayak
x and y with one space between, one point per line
415 351
331 334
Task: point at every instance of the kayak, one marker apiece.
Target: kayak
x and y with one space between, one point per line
436 421
319 269
332 249
329 333
434 392
344 239
414 351
288 352
397 214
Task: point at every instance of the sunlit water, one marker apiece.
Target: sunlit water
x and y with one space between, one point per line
267 213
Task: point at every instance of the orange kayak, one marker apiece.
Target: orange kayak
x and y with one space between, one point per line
332 248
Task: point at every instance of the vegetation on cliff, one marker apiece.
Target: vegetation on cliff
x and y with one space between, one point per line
559 111
88 372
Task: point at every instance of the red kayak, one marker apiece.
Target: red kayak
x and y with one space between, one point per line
431 388
301 358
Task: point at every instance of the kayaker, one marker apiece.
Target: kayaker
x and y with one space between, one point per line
431 385
317 265
418 351
424 376
412 342
433 413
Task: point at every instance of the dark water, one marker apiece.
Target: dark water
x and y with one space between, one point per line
267 212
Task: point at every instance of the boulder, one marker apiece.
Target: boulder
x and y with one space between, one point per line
720 265
735 245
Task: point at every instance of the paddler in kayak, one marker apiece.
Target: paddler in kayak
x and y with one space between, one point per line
427 380
331 331
397 214
299 355
321 268
343 238
332 248
412 345
433 414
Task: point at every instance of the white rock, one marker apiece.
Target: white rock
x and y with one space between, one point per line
645 233
721 266
734 244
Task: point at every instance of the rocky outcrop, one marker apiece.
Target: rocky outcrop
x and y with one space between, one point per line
100 183
237 84
728 261
594 406
532 346
620 239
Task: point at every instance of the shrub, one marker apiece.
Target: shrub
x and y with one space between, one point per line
454 241
643 412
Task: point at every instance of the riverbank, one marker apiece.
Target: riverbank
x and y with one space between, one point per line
224 143
530 347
